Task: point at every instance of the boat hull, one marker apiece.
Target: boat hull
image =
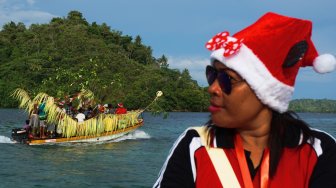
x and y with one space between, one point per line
107 136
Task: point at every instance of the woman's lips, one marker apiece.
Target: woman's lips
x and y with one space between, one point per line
213 108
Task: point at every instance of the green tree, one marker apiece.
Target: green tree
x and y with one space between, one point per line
163 62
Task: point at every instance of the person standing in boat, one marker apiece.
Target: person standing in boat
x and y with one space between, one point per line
34 121
67 106
42 117
252 140
121 109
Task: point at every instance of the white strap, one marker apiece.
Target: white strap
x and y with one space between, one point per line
220 162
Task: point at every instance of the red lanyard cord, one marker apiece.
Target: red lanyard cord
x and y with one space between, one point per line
264 172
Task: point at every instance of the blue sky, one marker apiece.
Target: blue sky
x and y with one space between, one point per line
180 28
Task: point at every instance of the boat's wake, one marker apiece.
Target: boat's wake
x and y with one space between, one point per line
6 140
137 134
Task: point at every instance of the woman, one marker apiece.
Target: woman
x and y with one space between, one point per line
251 139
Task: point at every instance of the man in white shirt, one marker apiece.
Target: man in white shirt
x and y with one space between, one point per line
80 116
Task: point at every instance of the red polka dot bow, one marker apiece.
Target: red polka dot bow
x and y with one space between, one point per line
221 40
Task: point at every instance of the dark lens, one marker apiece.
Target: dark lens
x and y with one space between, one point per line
211 74
224 82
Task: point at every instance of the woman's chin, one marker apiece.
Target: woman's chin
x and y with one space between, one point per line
219 121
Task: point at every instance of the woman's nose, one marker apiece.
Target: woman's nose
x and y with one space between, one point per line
214 88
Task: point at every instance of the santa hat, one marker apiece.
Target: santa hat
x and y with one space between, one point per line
268 55
120 105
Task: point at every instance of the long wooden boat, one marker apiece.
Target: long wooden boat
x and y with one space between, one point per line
102 127
110 130
106 136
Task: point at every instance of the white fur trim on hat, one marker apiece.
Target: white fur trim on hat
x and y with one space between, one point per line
267 88
324 63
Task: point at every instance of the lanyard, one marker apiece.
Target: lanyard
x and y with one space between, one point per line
264 171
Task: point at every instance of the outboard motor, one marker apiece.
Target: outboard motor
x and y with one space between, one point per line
20 135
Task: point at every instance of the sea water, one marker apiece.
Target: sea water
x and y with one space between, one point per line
130 161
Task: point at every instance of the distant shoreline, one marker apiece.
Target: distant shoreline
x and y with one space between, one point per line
313 105
296 105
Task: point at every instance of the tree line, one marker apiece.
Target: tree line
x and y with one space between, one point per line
313 105
69 54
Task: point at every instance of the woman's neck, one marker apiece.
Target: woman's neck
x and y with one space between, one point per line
255 139
255 135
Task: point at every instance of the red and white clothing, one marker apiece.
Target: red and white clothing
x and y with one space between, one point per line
121 110
301 165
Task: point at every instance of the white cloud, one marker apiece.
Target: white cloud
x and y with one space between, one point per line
28 17
195 65
18 11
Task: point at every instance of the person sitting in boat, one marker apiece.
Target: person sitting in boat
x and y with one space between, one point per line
88 112
106 109
94 112
74 112
121 109
42 116
110 109
80 116
101 108
26 125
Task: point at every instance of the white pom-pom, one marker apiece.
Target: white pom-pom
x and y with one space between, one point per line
324 63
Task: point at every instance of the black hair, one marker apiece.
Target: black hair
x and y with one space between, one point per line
283 125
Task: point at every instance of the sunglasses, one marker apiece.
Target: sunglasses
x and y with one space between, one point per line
225 80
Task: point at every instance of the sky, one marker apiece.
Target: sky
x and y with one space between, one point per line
179 29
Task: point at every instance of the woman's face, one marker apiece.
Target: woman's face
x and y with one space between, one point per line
239 109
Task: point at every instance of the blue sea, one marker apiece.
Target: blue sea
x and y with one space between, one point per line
131 161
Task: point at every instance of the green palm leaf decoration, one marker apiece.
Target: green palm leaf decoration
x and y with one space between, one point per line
24 98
